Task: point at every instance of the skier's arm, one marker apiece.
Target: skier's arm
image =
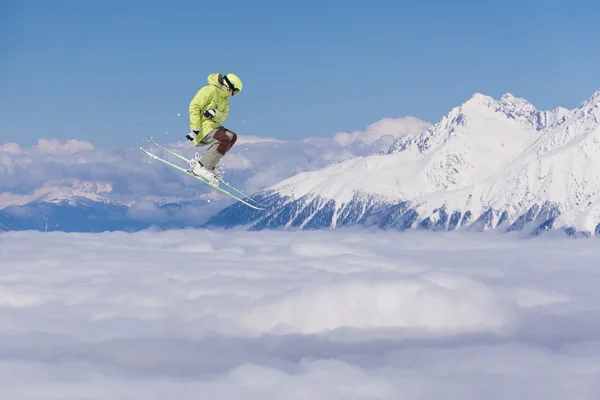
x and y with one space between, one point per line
197 106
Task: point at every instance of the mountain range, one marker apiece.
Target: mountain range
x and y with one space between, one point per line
488 164
82 214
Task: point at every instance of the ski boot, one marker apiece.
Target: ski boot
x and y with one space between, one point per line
217 171
201 171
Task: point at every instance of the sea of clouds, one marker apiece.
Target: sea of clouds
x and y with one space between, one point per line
343 314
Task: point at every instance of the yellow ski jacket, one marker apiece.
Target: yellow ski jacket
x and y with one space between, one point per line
214 95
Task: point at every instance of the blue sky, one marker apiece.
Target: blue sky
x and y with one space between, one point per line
115 72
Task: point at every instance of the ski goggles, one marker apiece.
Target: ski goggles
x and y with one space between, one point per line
232 88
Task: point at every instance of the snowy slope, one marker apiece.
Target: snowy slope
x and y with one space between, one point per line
60 192
468 145
486 163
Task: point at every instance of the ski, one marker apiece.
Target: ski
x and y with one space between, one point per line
219 179
200 179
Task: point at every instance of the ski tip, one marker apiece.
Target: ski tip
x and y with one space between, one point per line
147 152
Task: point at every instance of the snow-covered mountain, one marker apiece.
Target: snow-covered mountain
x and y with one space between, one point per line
75 214
486 164
59 192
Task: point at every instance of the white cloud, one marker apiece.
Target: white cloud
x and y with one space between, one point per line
387 127
415 304
10 148
55 146
248 139
258 315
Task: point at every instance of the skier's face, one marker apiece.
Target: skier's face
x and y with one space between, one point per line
234 92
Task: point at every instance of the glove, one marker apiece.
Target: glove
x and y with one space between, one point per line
192 135
210 113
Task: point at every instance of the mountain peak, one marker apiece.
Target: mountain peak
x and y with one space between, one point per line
592 101
480 99
506 117
76 192
57 192
507 104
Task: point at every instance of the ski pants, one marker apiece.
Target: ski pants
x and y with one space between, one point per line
220 141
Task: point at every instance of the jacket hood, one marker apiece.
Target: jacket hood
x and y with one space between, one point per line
213 79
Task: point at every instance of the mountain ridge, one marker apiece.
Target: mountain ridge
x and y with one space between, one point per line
486 164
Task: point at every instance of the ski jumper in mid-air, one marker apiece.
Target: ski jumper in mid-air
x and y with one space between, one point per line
208 111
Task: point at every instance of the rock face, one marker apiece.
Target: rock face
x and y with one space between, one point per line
487 164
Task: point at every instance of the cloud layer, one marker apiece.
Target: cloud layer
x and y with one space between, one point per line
274 315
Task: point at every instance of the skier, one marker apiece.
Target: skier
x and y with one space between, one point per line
208 110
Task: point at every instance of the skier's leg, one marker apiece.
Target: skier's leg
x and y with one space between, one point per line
221 140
